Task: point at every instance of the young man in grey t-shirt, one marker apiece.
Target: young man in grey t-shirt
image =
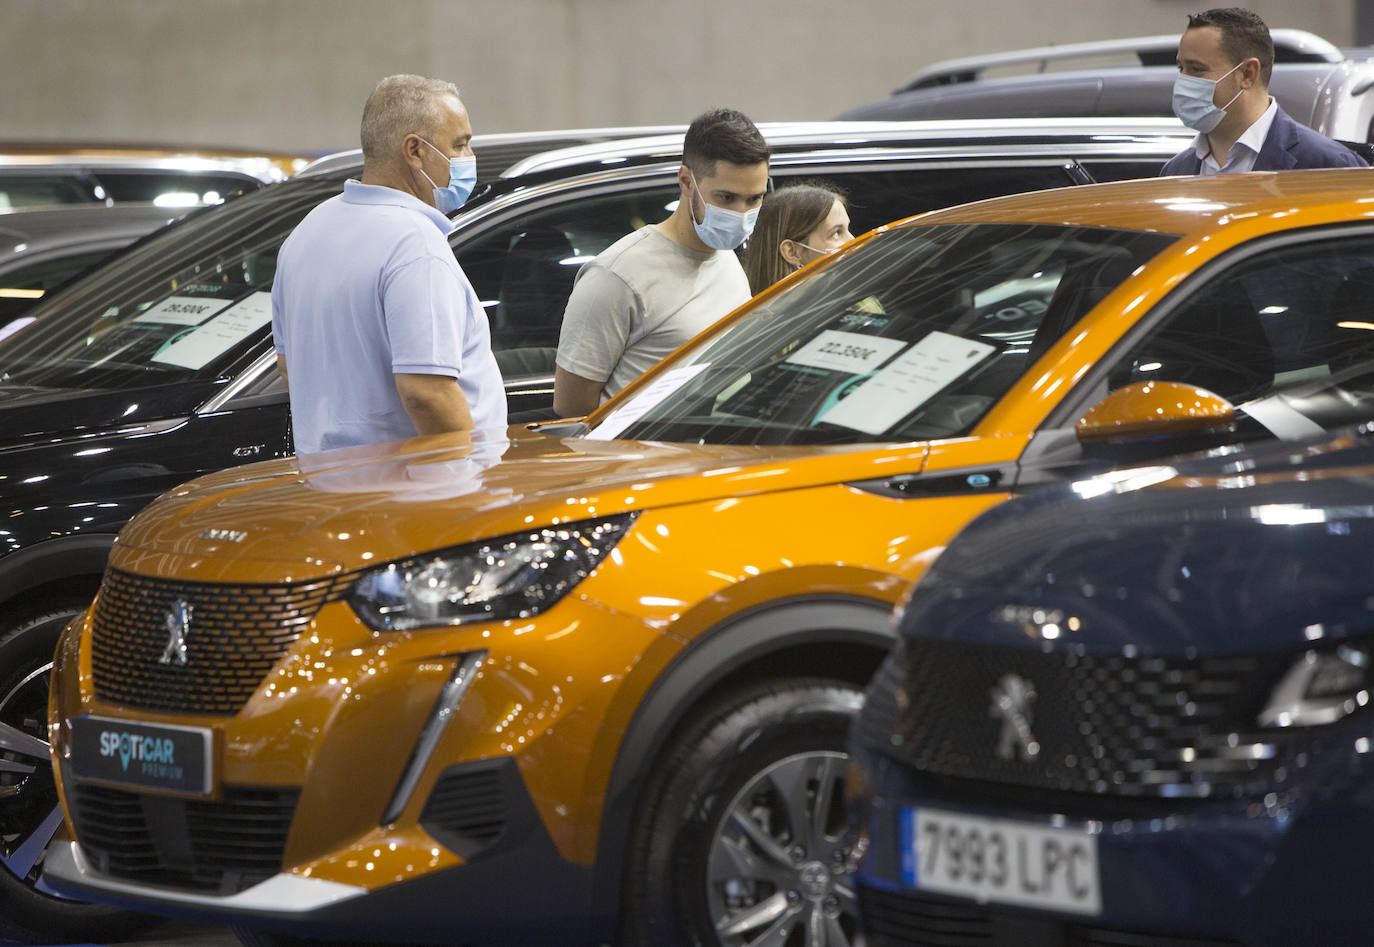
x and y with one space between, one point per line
654 289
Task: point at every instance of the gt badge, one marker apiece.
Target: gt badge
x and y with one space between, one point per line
178 622
1011 703
224 535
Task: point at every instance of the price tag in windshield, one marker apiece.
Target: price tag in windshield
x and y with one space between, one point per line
182 310
210 339
850 352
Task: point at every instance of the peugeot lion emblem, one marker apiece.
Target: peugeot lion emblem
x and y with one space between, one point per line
178 621
1011 703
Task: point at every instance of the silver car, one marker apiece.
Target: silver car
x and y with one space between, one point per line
1315 82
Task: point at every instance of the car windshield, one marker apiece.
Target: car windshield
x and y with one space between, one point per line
913 336
185 303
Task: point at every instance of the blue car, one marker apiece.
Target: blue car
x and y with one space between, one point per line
1134 710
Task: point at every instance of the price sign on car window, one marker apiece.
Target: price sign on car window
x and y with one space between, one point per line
182 310
645 400
195 349
911 380
851 352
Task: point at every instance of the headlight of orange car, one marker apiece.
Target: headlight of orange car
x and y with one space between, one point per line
513 576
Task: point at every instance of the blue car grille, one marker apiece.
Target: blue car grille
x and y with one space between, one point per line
903 920
1142 727
234 636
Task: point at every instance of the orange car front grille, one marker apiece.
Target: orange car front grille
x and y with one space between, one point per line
215 847
200 648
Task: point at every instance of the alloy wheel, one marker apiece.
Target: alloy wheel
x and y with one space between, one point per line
29 813
776 871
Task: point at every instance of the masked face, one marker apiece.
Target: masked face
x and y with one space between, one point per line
827 237
1195 101
720 228
462 175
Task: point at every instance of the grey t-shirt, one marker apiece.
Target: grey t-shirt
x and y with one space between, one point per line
644 296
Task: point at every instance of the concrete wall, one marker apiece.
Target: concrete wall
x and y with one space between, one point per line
293 74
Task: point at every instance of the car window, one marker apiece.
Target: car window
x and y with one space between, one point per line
523 270
881 197
913 336
1288 333
184 302
22 287
174 189
1127 170
41 190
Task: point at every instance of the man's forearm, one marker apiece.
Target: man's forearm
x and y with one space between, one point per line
435 403
573 395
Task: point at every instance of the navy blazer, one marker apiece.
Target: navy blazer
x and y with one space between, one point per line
1288 145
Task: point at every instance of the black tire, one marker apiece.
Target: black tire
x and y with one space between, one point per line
29 813
740 837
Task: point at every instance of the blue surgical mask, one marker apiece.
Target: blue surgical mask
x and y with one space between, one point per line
721 228
1194 102
462 175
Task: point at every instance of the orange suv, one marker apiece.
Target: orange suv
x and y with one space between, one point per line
593 680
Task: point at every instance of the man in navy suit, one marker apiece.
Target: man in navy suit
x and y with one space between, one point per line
1225 59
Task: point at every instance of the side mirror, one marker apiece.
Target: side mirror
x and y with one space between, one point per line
1154 409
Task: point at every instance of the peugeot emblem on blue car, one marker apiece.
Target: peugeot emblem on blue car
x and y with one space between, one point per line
1011 703
178 622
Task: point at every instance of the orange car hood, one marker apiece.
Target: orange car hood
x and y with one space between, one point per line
343 509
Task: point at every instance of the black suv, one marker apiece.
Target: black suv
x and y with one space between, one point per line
158 367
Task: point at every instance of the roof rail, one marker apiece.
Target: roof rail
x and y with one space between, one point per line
1289 46
497 151
787 138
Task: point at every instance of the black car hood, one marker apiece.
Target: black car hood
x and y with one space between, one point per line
30 415
1244 551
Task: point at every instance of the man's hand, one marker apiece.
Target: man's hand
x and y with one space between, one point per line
573 395
281 369
435 403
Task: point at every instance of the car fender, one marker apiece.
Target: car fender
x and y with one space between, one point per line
53 559
703 665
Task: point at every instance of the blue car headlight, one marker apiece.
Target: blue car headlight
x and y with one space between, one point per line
513 576
1319 688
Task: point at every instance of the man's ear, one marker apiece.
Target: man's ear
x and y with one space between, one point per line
684 179
1250 72
411 150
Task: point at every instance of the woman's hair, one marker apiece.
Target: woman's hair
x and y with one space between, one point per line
789 213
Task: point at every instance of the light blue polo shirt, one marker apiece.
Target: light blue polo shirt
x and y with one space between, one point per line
367 288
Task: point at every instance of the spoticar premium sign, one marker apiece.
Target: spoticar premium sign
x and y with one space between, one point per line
142 756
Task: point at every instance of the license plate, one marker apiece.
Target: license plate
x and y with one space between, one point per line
1000 860
142 756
